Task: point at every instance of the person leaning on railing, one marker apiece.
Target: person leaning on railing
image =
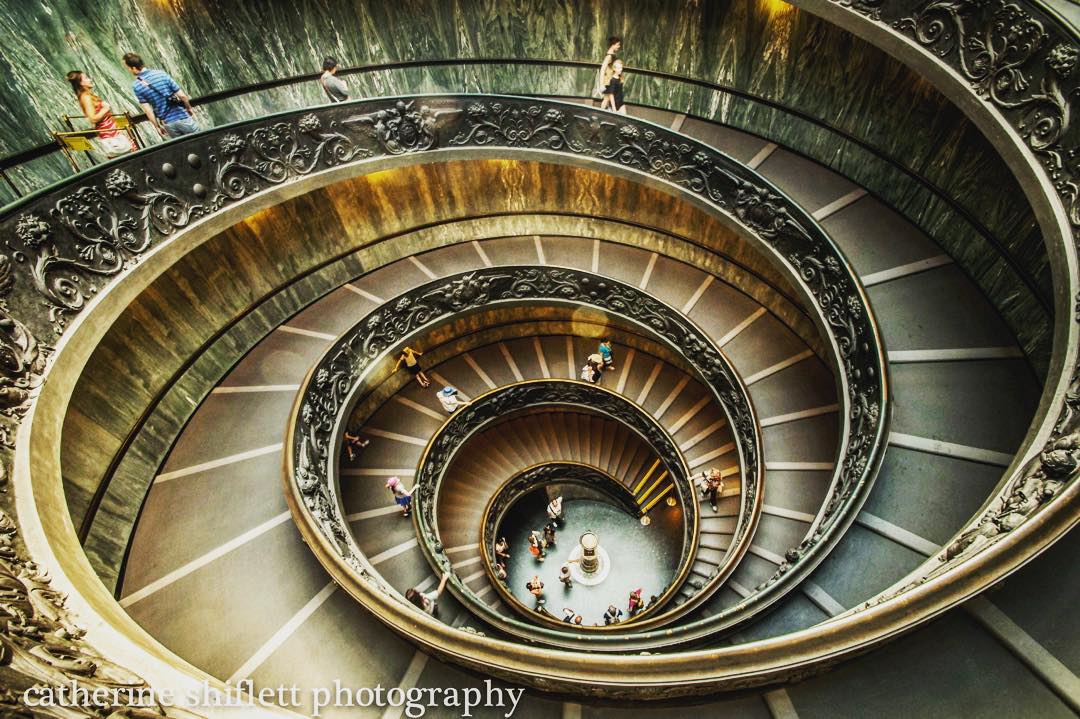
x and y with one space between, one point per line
99 114
334 87
167 107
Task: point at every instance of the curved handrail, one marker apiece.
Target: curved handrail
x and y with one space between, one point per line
1021 527
1032 284
528 480
817 265
73 243
491 408
325 400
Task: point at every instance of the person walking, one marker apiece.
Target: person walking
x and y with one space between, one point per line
614 89
408 357
636 603
500 571
712 486
98 113
353 444
536 546
603 76
568 615
428 602
450 399
607 357
536 588
613 615
334 87
502 549
402 496
597 362
554 511
549 534
590 372
565 576
167 107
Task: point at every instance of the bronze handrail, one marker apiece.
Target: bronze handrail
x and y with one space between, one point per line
551 392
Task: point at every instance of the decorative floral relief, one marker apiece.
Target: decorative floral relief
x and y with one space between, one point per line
402 128
40 641
107 232
1010 59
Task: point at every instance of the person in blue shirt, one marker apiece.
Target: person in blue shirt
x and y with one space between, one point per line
606 355
167 107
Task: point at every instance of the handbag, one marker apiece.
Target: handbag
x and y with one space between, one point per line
172 100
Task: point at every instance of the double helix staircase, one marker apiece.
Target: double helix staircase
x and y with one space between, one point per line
224 570
215 524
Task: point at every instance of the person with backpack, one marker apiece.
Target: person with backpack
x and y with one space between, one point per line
167 107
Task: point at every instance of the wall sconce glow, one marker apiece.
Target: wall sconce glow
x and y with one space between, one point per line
671 501
777 7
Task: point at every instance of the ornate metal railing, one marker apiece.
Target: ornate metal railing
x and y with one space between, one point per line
407 127
70 245
1012 65
325 400
498 404
535 478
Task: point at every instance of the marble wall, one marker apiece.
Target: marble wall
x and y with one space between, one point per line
762 46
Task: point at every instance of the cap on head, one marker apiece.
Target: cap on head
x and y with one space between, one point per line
449 391
393 482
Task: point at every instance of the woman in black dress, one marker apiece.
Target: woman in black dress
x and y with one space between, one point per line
615 87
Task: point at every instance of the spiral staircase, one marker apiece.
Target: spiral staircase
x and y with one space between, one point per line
900 473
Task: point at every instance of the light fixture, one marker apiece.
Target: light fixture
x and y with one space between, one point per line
671 501
645 521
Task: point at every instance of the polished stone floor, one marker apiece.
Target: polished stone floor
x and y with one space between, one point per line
641 556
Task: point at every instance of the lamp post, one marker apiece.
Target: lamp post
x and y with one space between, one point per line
589 561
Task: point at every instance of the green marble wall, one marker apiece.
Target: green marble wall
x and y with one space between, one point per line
764 47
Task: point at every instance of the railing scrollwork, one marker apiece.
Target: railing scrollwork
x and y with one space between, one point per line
498 404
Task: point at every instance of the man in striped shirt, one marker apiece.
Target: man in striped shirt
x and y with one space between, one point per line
167 107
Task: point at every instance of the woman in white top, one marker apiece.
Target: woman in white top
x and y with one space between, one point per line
554 511
450 399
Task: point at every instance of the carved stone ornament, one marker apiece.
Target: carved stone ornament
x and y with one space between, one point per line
1019 61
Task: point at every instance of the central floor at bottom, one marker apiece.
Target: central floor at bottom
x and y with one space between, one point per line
644 557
